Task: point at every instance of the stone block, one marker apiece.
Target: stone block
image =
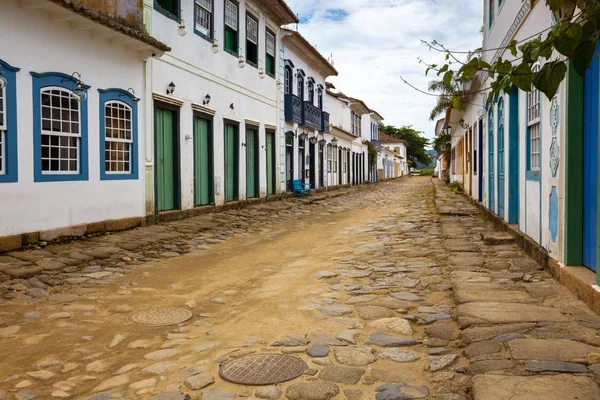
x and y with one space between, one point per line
122 224
550 349
30 238
95 227
579 280
8 243
497 238
53 234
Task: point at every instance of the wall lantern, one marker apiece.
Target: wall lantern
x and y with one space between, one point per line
566 11
181 28
302 136
171 88
2 80
242 60
215 46
313 140
78 91
206 100
447 129
334 141
261 70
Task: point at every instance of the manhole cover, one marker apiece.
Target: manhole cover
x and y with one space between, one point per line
161 316
262 369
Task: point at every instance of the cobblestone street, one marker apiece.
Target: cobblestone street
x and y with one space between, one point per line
398 290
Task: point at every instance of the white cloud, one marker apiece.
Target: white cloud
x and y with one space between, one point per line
374 42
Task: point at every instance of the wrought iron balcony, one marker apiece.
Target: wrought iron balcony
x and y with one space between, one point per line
312 116
293 108
324 122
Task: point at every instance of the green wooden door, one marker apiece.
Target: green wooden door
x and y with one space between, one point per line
203 163
251 163
231 163
166 180
270 142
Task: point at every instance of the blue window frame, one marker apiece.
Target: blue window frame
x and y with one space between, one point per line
60 129
118 135
491 12
8 124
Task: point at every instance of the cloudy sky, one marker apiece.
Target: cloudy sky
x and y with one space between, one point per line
374 42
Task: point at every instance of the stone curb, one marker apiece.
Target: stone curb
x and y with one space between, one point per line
578 279
15 242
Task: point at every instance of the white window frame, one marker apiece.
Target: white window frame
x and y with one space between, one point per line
329 151
108 139
203 4
250 19
232 13
3 130
335 159
61 134
344 156
534 126
270 45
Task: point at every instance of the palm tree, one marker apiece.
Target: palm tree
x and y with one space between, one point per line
443 145
444 100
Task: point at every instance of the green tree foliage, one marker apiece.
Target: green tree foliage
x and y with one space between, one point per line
415 150
443 145
573 37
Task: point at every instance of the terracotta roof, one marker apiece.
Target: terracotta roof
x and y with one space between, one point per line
385 138
309 49
111 23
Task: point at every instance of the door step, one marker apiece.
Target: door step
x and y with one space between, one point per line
497 238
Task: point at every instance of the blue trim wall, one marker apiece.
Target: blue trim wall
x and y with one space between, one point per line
68 82
513 159
129 99
10 138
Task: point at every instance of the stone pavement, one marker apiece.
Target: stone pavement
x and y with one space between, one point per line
386 291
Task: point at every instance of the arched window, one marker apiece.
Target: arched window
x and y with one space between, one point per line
8 123
61 131
288 80
118 135
320 98
301 86
311 92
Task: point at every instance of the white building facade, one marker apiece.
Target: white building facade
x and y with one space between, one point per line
214 102
71 124
305 123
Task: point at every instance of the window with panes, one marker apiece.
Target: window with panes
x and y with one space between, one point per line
352 121
231 27
320 99
270 53
118 139
328 158
204 17
251 40
344 161
533 126
3 127
311 93
288 80
491 11
168 6
61 134
335 159
300 86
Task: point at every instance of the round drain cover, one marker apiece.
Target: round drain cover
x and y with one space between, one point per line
262 369
161 316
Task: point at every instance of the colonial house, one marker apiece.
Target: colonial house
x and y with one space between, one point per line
372 126
399 148
215 102
346 145
305 123
73 113
531 160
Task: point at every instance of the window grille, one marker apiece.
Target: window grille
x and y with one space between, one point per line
61 133
252 29
118 137
231 14
533 124
270 44
204 16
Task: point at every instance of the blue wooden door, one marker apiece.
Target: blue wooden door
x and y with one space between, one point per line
590 162
500 135
513 157
479 159
491 185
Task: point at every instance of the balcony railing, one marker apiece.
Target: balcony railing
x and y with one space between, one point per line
312 116
293 108
324 122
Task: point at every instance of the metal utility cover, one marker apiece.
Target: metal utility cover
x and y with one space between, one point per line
262 369
163 316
